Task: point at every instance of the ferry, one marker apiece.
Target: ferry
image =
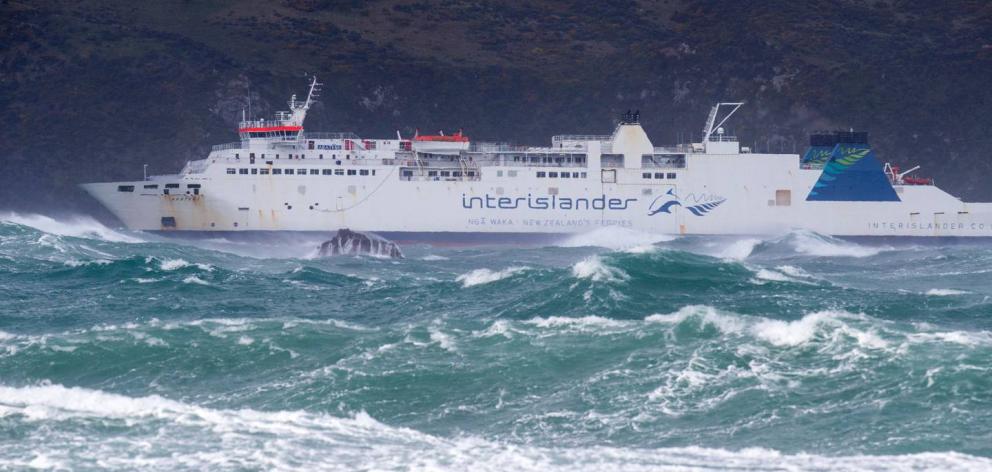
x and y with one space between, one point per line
278 177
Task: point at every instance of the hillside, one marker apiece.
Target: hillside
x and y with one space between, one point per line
92 90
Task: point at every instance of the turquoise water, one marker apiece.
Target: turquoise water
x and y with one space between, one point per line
612 350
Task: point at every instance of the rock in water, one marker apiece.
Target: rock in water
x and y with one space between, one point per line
352 243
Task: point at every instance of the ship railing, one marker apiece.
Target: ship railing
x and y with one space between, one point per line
685 148
495 147
580 137
717 138
235 145
323 135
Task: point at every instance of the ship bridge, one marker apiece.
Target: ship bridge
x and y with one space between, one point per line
287 125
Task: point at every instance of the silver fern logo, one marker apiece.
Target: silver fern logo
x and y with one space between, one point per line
697 205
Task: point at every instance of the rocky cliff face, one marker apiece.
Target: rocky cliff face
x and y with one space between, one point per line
93 90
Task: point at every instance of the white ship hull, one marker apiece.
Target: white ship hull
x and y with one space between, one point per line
325 183
523 204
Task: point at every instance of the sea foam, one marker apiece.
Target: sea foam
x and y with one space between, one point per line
294 439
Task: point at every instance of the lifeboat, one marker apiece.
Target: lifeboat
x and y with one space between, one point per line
441 143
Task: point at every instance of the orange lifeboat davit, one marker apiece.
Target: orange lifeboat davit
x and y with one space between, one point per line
441 143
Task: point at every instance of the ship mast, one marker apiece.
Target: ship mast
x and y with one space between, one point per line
299 110
712 125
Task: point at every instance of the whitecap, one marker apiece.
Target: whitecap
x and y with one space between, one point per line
945 292
738 250
616 238
209 438
803 330
175 264
433 257
707 315
964 338
771 275
74 226
195 280
793 271
498 328
576 322
442 339
485 276
595 269
813 244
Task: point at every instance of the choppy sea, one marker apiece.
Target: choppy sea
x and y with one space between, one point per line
607 351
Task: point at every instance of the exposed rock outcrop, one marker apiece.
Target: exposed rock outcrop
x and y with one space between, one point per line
353 243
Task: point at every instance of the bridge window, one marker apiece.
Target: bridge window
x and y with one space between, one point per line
276 171
552 175
445 173
672 175
352 172
646 175
231 170
541 175
363 172
254 171
125 188
327 172
171 185
566 175
314 171
511 173
583 175
243 171
263 171
151 186
338 171
290 171
432 173
659 175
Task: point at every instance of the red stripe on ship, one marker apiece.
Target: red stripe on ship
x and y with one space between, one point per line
270 128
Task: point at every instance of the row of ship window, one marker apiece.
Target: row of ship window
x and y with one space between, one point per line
659 175
289 156
561 175
441 173
265 171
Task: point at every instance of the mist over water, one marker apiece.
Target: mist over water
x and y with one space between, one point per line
611 350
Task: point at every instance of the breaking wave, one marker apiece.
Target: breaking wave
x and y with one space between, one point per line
232 439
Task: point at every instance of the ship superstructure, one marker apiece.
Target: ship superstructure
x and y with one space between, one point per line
279 177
